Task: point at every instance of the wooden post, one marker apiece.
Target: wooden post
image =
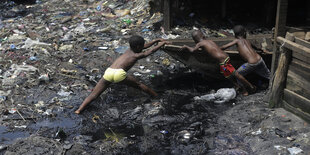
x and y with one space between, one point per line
280 75
167 15
279 30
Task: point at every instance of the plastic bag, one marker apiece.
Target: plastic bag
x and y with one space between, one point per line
221 96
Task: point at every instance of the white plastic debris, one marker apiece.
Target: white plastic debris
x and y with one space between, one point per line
294 150
137 74
259 131
279 147
21 126
221 96
30 43
64 93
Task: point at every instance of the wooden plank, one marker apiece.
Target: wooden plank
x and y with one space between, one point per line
279 80
301 57
177 48
296 100
301 65
298 112
167 14
300 70
300 52
280 29
256 40
298 84
302 42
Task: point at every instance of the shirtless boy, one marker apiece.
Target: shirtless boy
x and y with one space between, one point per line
116 73
226 68
255 62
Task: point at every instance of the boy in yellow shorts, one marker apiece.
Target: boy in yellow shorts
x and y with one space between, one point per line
116 73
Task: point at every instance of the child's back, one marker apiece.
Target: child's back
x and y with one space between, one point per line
246 51
255 62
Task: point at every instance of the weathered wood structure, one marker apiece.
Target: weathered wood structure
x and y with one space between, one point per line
291 64
293 93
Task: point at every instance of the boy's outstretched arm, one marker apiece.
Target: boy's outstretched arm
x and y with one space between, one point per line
150 51
149 44
191 49
229 44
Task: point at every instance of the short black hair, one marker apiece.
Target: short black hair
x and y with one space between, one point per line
197 35
136 41
239 31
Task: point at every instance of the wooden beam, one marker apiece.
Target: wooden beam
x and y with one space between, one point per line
296 111
298 84
300 52
279 80
279 30
297 100
167 14
302 42
300 65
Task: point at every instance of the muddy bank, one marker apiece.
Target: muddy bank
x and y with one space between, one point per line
125 121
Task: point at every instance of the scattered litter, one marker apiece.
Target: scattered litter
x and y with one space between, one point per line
21 126
258 132
95 118
279 147
221 96
40 104
103 48
294 150
12 110
44 77
33 58
64 93
2 98
164 131
31 43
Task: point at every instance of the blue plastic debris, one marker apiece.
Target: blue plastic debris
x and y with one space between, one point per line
146 30
2 98
98 8
164 131
33 58
121 49
12 46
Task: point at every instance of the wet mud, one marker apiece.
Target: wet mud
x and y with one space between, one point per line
126 121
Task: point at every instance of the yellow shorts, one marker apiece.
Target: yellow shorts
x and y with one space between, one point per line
114 75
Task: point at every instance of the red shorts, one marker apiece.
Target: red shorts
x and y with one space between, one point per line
226 68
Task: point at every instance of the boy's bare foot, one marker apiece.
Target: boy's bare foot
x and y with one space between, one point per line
245 93
77 111
253 90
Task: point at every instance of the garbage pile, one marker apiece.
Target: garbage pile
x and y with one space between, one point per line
51 40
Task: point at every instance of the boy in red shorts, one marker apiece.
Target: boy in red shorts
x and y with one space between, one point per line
226 68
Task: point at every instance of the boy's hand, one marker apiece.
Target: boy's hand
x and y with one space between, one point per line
167 42
265 52
184 47
159 40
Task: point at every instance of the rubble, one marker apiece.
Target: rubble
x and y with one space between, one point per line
53 53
